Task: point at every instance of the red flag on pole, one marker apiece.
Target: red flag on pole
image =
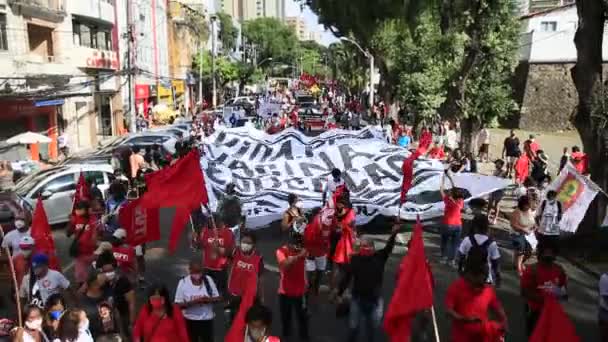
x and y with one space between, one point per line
407 168
344 248
182 215
237 329
554 324
82 191
405 303
43 238
179 185
142 225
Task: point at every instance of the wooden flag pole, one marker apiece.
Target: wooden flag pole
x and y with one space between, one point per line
435 324
13 276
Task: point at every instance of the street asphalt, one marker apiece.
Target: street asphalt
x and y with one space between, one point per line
325 327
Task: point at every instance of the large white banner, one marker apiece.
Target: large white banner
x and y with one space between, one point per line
267 168
575 192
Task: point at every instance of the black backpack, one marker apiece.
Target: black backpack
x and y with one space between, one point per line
478 254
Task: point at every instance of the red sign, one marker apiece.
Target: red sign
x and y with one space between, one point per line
142 91
103 60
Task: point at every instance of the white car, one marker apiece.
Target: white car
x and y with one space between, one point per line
57 186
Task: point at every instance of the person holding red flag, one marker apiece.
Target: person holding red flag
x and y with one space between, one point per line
125 255
246 270
41 233
83 191
84 228
22 260
343 236
407 168
469 300
545 278
292 285
452 220
366 271
554 325
217 244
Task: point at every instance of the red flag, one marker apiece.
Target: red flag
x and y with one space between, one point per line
182 215
426 138
405 303
43 238
344 248
408 173
83 192
554 324
142 225
237 329
179 185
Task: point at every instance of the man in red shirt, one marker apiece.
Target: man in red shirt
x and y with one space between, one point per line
124 254
468 301
452 220
217 244
545 278
317 242
292 285
579 160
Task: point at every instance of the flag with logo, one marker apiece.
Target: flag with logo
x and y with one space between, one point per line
142 224
575 192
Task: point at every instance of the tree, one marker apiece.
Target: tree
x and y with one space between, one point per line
590 118
226 71
228 33
272 39
348 67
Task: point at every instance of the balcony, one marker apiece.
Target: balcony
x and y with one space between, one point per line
99 10
51 10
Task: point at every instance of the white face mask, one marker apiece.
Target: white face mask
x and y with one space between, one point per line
35 324
246 247
110 275
19 224
299 204
257 334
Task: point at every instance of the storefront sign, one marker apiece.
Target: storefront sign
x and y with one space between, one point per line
142 91
102 59
45 103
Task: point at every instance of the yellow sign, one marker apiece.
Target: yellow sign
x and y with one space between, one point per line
179 85
164 92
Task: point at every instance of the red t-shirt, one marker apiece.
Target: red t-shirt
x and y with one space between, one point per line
580 162
317 237
534 147
151 328
86 240
537 276
293 279
225 239
407 168
522 168
437 153
125 258
451 214
22 267
469 302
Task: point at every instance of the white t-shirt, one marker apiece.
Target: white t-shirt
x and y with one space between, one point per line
603 288
451 139
186 291
493 252
53 282
12 239
549 225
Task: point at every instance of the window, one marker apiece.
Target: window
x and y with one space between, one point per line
60 184
3 40
97 176
91 36
548 26
85 36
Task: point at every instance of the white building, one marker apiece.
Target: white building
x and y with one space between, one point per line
61 57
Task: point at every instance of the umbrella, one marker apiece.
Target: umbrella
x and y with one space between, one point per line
29 138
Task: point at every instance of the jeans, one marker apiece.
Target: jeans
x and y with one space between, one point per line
289 304
200 331
366 312
450 239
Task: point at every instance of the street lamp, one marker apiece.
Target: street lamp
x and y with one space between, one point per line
213 52
371 69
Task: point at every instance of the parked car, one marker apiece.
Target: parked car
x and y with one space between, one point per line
57 186
240 100
177 132
12 205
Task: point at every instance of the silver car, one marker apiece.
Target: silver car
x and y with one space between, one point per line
57 186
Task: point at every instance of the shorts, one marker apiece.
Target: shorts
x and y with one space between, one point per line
521 245
511 159
484 148
316 263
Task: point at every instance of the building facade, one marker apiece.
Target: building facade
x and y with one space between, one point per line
298 25
60 60
244 10
543 86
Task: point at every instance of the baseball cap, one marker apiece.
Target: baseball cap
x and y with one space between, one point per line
40 260
26 242
120 233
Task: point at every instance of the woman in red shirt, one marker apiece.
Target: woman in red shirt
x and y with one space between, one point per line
83 227
217 244
160 320
452 220
468 301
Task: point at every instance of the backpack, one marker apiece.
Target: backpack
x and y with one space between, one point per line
478 252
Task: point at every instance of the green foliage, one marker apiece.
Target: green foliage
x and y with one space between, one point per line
226 70
228 33
273 39
347 66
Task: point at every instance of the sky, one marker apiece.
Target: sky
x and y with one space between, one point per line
312 21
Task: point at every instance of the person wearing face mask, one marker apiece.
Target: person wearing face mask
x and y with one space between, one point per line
84 228
74 327
22 260
217 244
366 271
343 234
159 320
125 255
42 282
195 295
292 285
259 320
91 299
12 238
548 217
230 208
293 214
247 268
54 309
32 330
545 278
469 301
117 289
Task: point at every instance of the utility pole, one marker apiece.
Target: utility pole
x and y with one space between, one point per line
130 70
213 52
200 74
371 80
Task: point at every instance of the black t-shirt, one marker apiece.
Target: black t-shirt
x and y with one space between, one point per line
512 147
116 294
